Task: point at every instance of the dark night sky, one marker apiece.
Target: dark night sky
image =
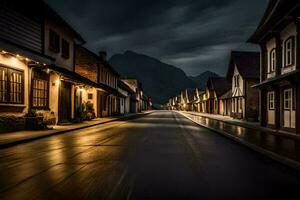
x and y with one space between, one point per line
195 35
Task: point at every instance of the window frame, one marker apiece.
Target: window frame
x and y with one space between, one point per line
291 50
9 71
39 75
272 64
65 49
289 99
271 101
54 41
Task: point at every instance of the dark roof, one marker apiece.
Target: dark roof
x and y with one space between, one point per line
23 51
219 84
124 86
276 13
190 94
77 77
247 63
49 12
227 95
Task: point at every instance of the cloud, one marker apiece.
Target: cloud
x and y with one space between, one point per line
191 34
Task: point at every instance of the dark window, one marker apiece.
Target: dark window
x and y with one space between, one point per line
104 102
54 43
40 90
65 49
11 86
90 96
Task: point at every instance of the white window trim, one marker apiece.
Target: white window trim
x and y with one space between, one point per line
289 99
288 52
272 61
271 100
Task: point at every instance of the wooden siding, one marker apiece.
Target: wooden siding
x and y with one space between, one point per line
19 29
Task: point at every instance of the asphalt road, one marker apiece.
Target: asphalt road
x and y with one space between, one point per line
160 156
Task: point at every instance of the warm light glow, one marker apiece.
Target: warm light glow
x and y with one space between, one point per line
4 52
57 82
81 89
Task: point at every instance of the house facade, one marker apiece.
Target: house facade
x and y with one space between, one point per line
243 72
104 96
59 41
21 52
125 100
226 103
216 87
136 103
278 35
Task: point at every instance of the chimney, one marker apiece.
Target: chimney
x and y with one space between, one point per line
103 55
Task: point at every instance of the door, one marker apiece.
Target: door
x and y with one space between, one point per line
288 112
99 104
65 102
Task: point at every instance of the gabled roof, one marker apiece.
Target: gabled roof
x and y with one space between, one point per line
227 95
124 86
190 93
219 84
77 77
276 13
247 63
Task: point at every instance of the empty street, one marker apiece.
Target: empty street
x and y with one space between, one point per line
160 156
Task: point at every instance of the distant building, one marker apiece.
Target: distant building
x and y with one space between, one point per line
104 94
278 34
215 88
243 72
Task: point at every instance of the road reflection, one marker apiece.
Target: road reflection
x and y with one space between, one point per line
277 144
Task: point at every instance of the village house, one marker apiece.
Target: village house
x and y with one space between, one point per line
136 104
198 102
243 72
104 97
37 69
59 41
278 35
21 50
125 100
188 99
226 103
215 88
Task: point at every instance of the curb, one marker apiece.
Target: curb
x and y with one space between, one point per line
287 135
27 140
283 160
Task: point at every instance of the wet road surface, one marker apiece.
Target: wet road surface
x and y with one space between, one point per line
280 145
161 156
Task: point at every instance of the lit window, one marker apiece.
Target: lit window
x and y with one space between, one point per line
11 86
40 90
289 52
271 100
